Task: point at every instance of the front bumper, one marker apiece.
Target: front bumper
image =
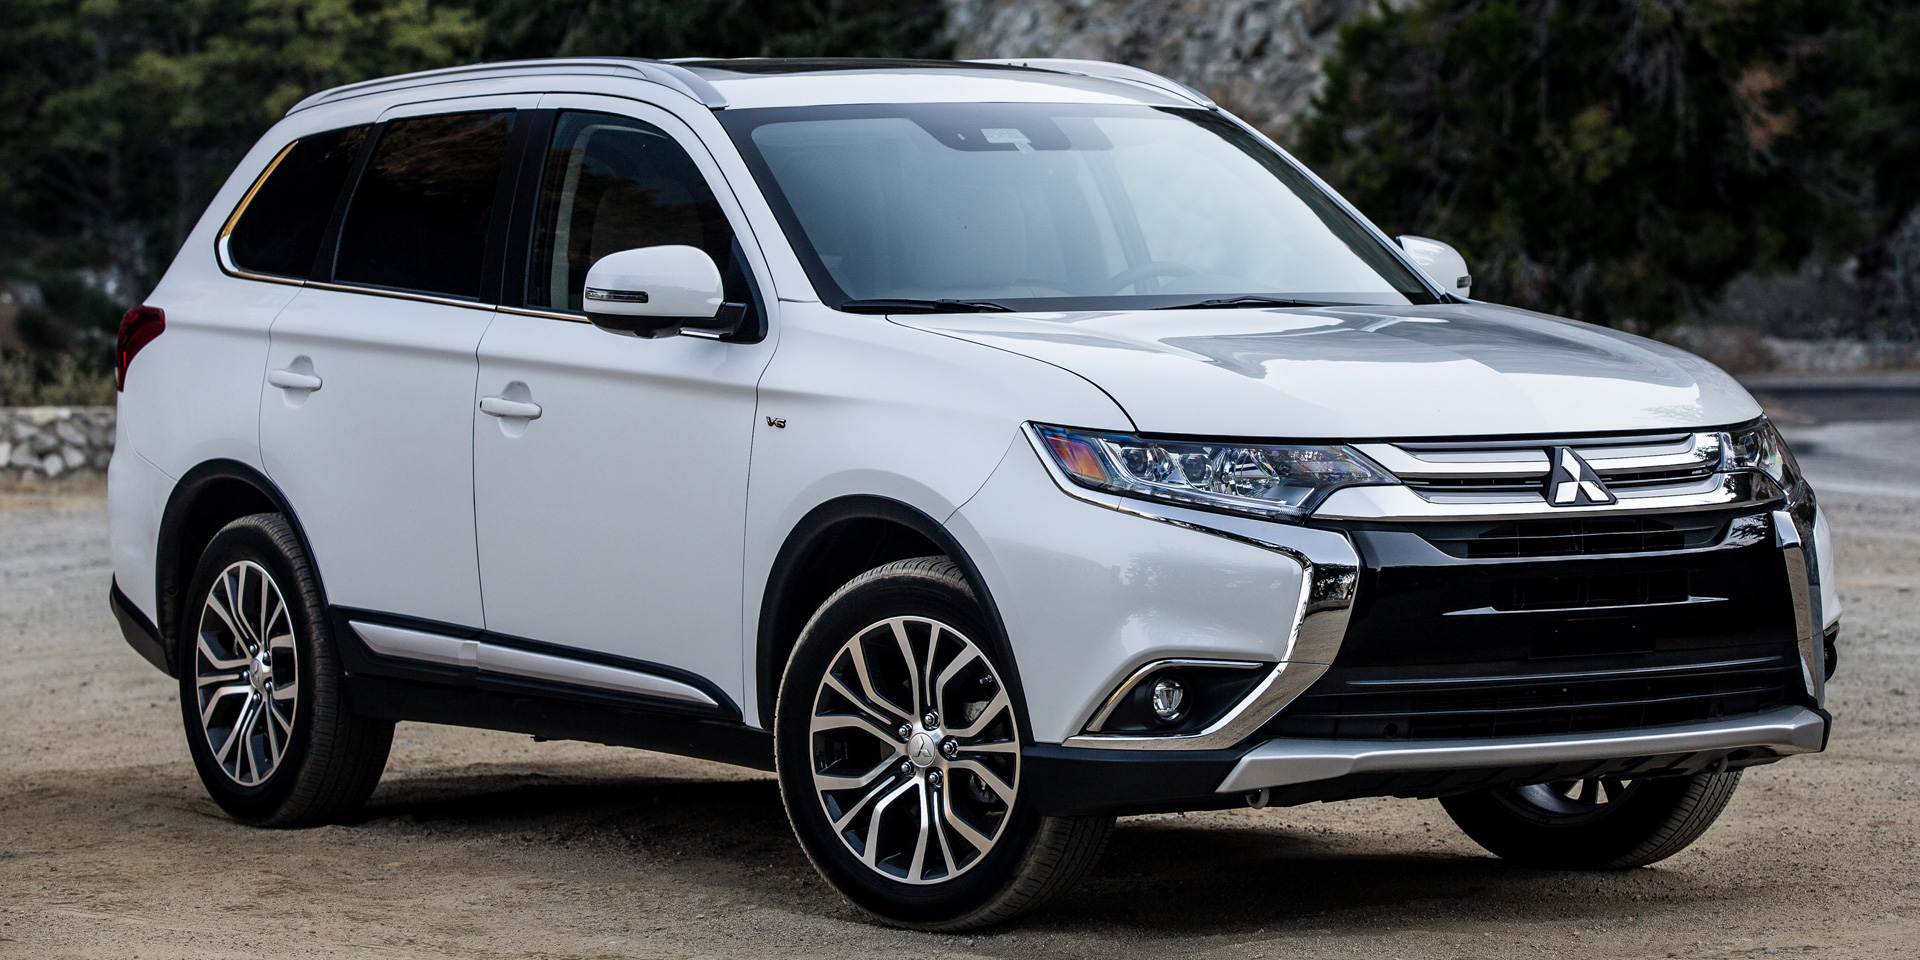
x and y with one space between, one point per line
1069 781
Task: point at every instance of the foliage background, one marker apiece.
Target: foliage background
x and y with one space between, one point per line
120 118
1618 161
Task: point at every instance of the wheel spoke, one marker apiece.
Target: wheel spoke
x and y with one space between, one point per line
993 709
218 662
219 694
834 781
215 604
1589 791
917 867
873 822
980 841
1615 789
859 703
913 664
858 651
854 811
939 691
1000 787
848 721
993 746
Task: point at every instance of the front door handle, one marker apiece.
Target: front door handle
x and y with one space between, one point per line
502 407
293 380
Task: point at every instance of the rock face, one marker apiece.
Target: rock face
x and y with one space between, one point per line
1258 58
46 443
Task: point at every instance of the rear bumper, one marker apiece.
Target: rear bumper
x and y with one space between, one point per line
1281 763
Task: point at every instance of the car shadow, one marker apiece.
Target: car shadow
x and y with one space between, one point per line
1173 877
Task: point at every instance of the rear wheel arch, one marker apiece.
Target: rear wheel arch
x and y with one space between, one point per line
836 542
207 498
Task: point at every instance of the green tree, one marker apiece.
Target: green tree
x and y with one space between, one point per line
1621 160
714 28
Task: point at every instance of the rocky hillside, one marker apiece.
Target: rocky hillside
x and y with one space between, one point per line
1258 58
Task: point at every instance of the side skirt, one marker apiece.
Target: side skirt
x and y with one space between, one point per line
402 668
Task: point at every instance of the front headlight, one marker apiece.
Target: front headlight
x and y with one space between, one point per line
1275 481
1760 448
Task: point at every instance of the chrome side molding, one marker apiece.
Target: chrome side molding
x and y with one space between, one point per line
1279 763
508 661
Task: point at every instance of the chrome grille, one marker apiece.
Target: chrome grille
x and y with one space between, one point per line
1509 471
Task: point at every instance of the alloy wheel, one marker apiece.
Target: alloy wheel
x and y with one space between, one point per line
915 750
1569 802
246 673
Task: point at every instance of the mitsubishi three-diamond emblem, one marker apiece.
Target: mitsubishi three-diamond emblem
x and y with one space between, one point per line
1572 483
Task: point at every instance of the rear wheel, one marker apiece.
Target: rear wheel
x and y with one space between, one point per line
1596 823
898 747
260 685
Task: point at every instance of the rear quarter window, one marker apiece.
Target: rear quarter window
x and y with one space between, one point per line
278 228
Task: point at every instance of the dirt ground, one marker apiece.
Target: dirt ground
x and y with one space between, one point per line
481 844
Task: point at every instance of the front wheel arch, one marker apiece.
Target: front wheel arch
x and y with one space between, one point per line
883 530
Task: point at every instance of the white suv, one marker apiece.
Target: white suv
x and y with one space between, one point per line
988 448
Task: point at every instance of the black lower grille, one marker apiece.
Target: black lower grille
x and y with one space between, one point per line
1574 536
1344 705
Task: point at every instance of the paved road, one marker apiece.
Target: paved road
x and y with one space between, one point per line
481 844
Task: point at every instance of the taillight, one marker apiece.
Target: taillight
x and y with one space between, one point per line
137 329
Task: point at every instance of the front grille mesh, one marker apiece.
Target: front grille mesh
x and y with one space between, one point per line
1586 535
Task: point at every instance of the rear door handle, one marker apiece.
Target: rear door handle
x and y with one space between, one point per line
502 407
293 380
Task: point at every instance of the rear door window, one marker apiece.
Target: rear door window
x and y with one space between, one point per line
278 228
420 216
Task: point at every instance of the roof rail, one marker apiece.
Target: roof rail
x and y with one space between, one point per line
666 74
1108 71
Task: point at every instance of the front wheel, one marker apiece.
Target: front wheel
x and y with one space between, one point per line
898 747
1593 824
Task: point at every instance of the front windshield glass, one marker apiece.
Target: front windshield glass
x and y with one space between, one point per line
1055 207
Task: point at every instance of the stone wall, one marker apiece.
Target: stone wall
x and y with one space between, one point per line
1258 58
47 443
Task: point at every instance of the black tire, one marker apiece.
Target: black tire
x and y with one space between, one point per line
1646 821
266 762
1030 860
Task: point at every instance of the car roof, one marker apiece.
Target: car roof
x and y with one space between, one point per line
779 82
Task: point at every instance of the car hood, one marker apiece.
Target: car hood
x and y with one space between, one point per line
1349 373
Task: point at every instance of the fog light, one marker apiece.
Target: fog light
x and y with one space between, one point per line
1169 699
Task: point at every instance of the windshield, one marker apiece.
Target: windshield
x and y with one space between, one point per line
1054 207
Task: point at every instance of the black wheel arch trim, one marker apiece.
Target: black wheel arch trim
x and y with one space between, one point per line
771 648
173 572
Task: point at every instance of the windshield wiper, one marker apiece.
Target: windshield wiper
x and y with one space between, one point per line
1247 301
924 306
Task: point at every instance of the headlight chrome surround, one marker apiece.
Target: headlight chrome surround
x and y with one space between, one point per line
1271 481
1757 447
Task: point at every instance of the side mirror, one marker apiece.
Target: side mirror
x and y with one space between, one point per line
1441 263
655 292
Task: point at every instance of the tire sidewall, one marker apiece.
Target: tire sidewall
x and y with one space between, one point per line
1524 837
249 538
854 610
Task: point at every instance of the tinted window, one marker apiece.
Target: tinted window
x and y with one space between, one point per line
279 229
420 213
613 183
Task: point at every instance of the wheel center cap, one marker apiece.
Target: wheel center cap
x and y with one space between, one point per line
922 750
257 673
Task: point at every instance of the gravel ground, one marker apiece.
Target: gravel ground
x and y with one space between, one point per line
482 844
